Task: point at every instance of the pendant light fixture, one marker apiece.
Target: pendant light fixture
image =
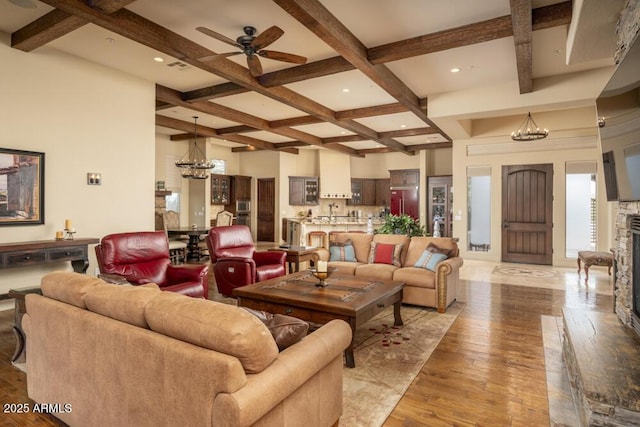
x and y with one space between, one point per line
529 131
194 163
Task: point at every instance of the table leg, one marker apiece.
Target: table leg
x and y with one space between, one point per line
350 359
80 265
396 314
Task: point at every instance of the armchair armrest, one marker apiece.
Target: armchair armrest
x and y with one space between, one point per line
114 279
270 257
293 367
186 273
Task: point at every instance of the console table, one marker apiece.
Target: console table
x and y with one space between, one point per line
26 254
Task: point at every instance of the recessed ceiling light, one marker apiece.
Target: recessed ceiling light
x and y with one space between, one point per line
110 40
403 126
158 59
343 132
25 4
557 51
455 70
345 90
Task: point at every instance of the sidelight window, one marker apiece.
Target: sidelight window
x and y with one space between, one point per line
581 218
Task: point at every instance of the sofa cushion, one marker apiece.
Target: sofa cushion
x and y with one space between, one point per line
361 244
385 253
416 277
430 259
124 303
376 271
286 330
221 327
340 251
344 267
419 243
68 287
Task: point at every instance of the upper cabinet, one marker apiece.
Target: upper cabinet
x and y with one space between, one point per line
369 192
241 187
220 189
303 190
405 177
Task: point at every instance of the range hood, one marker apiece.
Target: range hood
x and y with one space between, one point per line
335 175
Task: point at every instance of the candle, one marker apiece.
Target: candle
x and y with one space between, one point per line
67 224
58 235
322 266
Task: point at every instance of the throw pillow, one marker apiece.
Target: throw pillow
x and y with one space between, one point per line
385 253
342 252
286 330
429 259
433 248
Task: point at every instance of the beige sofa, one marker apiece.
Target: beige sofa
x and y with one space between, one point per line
423 287
136 356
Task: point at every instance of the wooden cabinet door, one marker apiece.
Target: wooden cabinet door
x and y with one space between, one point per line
440 201
356 192
368 192
242 187
382 192
296 190
220 189
405 177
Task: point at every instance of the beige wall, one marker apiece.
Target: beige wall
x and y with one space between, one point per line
73 111
573 137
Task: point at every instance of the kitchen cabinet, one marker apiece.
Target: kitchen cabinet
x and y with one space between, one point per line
303 190
404 177
220 189
440 196
364 192
240 188
382 192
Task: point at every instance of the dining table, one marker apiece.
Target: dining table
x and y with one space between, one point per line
194 234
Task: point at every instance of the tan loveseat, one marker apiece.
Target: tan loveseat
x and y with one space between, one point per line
423 287
137 356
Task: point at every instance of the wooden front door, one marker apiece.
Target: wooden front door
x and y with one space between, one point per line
266 209
527 202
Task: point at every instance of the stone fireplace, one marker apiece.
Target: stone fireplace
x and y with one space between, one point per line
627 249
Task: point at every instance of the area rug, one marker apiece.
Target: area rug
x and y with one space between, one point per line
526 272
388 358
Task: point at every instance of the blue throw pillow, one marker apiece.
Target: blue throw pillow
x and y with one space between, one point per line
342 252
429 260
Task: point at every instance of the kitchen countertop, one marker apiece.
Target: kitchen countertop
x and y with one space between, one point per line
337 221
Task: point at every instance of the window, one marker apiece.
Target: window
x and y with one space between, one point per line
581 224
479 208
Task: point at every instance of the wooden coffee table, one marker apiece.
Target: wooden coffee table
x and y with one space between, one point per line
345 297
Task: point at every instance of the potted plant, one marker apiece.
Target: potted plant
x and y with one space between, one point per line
402 224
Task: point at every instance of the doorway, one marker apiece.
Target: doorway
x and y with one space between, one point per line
266 210
527 212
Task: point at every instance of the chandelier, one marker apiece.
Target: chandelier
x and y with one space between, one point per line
529 131
194 164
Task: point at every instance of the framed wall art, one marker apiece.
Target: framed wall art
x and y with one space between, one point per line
21 187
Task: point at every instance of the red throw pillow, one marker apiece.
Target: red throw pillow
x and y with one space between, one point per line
385 253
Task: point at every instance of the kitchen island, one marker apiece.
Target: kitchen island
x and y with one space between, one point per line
336 224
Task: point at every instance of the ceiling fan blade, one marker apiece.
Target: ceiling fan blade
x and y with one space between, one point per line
219 36
217 56
254 65
283 56
267 37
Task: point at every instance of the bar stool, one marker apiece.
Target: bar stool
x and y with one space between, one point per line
315 236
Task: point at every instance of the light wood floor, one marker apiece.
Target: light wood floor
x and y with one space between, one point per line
488 370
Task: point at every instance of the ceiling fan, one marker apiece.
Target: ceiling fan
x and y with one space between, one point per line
253 46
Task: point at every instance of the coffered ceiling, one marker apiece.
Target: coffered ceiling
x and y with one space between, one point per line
371 65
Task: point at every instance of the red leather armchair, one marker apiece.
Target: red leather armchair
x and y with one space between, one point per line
143 257
235 261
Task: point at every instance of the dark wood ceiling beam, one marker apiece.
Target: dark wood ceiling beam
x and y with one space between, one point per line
492 29
431 146
377 110
213 92
56 24
45 29
172 96
148 33
320 21
206 131
522 39
409 132
290 144
295 121
343 138
237 129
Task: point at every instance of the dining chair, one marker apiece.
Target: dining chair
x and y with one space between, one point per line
224 218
